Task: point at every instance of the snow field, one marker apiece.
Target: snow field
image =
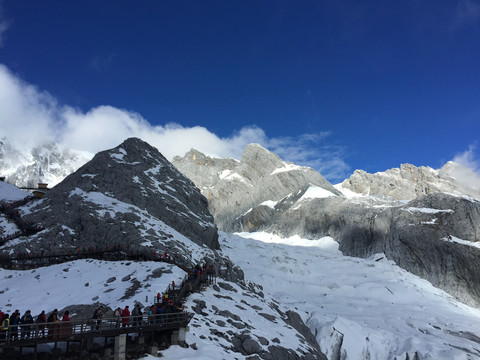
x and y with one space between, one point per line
381 310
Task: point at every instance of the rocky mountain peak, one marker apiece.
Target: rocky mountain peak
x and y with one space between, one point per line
233 187
409 181
128 194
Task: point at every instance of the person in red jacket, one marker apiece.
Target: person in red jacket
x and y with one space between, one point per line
125 316
66 329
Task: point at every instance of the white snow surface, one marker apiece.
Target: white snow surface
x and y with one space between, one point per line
427 210
381 310
316 192
81 282
287 167
10 192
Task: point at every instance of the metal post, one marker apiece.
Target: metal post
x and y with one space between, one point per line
120 347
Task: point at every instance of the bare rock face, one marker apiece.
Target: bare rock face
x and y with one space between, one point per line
435 236
127 195
409 181
234 187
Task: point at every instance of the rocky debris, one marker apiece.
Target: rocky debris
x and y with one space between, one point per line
228 323
233 187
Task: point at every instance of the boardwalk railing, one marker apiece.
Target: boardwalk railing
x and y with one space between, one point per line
76 330
28 261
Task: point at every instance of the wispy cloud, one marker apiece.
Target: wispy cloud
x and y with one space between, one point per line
468 12
29 116
4 24
101 62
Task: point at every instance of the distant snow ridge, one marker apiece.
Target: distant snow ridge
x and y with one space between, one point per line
409 181
47 163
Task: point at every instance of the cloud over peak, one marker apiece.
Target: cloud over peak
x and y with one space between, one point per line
29 116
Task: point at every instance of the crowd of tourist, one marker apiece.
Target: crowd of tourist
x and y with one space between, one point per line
15 326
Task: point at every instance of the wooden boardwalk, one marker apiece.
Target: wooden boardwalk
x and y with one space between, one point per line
24 335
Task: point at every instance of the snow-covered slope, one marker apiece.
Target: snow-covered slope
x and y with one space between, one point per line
358 308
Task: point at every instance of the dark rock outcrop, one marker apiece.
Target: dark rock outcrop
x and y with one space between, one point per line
127 195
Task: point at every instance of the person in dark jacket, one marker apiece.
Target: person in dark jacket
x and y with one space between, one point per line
98 315
41 320
26 322
14 321
52 320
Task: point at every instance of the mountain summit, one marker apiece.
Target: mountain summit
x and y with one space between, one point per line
130 194
234 187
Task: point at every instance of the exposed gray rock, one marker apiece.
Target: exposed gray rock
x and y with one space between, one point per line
118 198
251 346
409 181
232 187
419 236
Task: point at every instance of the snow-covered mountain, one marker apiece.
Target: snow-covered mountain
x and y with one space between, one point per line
434 235
287 287
47 163
131 196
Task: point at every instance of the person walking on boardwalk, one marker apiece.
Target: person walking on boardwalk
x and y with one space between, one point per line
41 320
4 328
117 314
26 322
97 316
52 320
14 321
137 315
125 316
134 316
66 329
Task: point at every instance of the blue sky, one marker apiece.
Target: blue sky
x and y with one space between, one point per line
337 85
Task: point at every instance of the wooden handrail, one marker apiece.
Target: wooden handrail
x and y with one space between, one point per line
76 329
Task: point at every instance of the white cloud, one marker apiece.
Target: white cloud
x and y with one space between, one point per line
468 159
29 116
468 175
26 114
